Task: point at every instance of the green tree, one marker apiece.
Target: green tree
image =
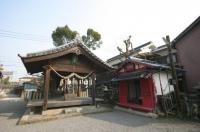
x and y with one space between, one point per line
6 80
64 34
152 47
92 40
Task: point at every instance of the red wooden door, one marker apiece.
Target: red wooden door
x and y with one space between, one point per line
147 92
123 92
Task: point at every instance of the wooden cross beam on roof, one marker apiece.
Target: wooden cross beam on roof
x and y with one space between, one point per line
128 45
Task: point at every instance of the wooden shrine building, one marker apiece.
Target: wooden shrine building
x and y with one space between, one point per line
69 71
141 83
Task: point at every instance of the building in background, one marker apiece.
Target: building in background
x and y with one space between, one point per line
187 44
118 59
161 55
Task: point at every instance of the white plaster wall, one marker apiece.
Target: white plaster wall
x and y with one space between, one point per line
164 83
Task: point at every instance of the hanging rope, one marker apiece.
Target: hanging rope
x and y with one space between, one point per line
71 75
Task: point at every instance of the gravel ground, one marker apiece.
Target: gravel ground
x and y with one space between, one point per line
12 109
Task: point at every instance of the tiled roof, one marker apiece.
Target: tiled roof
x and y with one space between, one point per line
66 46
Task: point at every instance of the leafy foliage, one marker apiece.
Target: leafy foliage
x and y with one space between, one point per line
152 47
6 80
1 68
64 34
92 40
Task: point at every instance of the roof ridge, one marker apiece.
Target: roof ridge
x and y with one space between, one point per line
86 48
53 50
187 29
72 43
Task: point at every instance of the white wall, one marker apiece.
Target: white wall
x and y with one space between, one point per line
162 81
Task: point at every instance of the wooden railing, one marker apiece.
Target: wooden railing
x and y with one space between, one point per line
32 95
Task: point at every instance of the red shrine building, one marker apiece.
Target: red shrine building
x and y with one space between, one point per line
141 82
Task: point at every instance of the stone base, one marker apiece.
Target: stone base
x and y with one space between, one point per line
52 114
70 96
152 115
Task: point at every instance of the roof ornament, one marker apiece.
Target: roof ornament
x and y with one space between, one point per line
78 39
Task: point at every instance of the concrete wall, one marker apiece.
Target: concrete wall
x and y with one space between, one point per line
188 55
161 81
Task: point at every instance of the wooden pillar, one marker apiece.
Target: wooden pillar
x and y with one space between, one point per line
160 83
72 83
65 86
93 89
78 90
46 87
87 90
174 74
88 82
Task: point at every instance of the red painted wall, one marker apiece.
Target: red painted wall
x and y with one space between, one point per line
147 94
123 92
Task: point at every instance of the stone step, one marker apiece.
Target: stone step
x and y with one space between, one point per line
131 111
53 114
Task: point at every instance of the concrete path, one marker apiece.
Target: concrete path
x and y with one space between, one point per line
12 109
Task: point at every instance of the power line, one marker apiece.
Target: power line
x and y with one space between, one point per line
18 35
23 36
27 34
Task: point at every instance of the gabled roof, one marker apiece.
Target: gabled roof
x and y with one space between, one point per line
130 75
160 48
184 32
61 51
137 49
149 63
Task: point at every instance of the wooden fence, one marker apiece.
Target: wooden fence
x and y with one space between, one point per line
32 95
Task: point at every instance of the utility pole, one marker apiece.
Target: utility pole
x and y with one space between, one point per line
174 75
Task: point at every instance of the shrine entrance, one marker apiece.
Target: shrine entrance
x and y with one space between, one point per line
69 74
69 85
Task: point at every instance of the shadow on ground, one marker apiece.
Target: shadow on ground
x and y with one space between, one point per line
132 120
12 108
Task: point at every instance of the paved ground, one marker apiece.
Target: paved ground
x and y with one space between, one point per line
12 109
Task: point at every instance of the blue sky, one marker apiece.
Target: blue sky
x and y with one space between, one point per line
114 19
